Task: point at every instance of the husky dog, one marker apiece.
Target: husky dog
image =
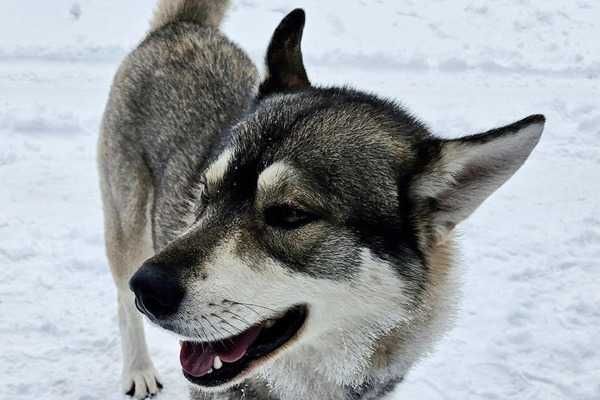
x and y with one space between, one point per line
298 239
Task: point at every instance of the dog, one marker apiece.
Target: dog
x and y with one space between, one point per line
299 240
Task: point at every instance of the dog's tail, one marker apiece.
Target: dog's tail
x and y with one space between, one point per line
208 13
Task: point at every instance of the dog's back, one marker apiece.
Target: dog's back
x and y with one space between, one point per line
168 113
193 84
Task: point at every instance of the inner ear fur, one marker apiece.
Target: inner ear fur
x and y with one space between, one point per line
466 171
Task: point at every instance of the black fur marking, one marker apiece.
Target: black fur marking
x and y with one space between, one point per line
372 391
515 127
131 391
284 57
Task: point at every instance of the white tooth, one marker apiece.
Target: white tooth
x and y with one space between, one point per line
209 371
217 363
269 323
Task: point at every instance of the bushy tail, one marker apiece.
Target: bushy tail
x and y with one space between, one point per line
207 13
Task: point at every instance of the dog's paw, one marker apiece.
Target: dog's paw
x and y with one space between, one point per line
141 383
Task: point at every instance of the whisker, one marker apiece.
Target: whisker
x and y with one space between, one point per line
254 305
236 316
204 335
228 339
230 324
213 327
260 316
195 328
231 334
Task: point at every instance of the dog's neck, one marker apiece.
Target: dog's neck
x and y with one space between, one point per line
301 379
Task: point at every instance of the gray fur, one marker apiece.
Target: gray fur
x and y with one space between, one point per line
171 90
208 13
184 85
327 197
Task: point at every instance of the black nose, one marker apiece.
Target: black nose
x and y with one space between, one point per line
157 289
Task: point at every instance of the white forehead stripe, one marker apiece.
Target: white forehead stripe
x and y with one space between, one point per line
217 169
274 174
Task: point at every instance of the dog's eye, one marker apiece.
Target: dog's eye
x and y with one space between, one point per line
287 217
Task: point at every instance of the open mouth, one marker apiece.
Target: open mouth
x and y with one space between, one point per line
212 364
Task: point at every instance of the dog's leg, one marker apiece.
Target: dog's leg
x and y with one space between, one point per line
139 377
127 201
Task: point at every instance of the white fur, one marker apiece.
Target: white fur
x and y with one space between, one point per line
501 157
128 236
138 368
274 174
216 171
346 318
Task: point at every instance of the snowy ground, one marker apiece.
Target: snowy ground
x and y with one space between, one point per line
529 324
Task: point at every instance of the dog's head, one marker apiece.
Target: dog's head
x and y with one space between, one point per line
314 227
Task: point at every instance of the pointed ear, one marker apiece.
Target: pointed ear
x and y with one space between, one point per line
463 172
285 68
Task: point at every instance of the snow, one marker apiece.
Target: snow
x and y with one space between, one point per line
529 320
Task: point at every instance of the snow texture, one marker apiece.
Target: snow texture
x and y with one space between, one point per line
529 321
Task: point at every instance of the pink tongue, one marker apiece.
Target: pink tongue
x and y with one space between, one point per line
197 359
231 351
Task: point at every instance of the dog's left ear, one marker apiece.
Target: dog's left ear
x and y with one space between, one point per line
462 173
285 67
